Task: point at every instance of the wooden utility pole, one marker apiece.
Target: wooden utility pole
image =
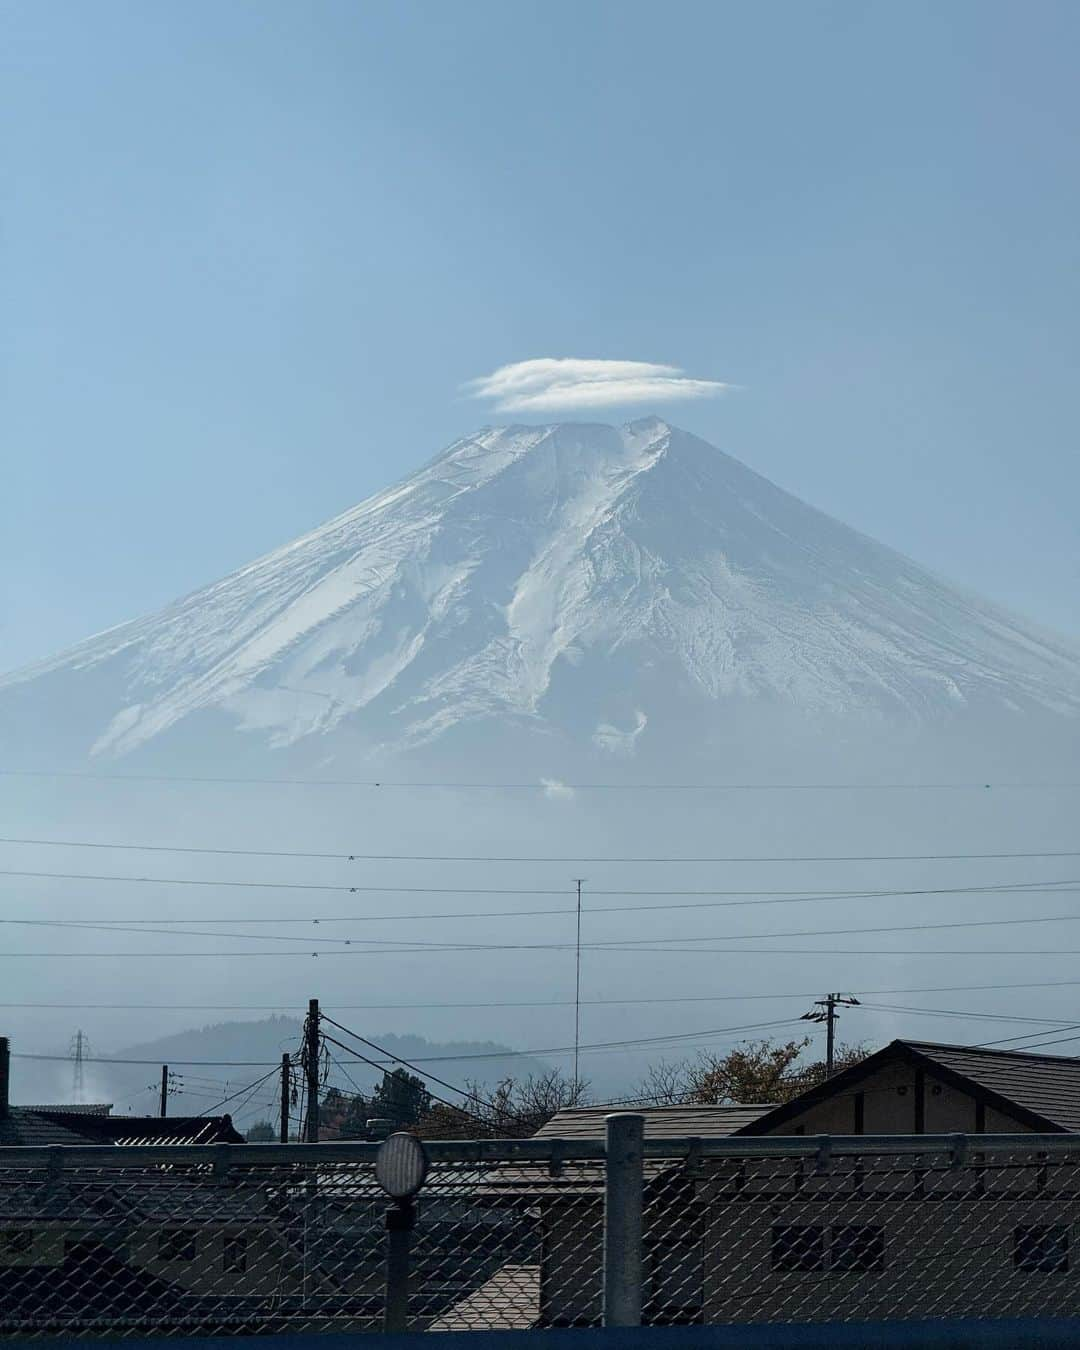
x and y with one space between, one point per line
164 1091
829 1005
286 1088
311 1065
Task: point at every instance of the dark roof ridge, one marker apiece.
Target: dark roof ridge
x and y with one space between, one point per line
618 1108
1028 1055
70 1109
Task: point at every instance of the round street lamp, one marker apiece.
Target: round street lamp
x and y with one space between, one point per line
401 1166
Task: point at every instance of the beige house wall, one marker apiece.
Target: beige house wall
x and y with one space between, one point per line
268 1259
940 1260
889 1099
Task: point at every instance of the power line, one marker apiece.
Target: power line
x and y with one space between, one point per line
624 944
627 1043
232 1096
1065 886
523 858
359 1092
419 949
544 1003
541 785
1033 1044
628 944
964 1015
454 1106
156 1063
391 1058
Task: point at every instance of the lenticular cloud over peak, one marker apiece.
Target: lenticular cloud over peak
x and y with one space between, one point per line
553 383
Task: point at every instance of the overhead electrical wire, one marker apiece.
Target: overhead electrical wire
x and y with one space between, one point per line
539 785
454 1106
672 1037
964 1014
635 944
357 1089
527 858
252 1087
391 1058
1065 886
542 1003
183 1063
436 950
1037 1044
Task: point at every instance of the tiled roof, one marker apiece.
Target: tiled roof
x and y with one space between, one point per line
661 1122
72 1109
212 1130
1048 1085
46 1125
22 1126
130 1130
508 1301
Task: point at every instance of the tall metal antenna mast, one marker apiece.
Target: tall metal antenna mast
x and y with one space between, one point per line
577 986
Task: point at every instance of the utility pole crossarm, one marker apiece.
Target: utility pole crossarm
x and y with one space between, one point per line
828 1006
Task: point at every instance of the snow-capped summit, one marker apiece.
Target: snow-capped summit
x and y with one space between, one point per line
557 575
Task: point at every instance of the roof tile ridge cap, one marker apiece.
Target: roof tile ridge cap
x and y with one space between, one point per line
1029 1056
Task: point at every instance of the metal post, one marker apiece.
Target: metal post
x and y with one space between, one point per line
164 1091
624 1186
311 1055
577 989
286 1085
400 1221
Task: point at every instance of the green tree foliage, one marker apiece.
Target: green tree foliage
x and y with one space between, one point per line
344 1115
262 1132
402 1098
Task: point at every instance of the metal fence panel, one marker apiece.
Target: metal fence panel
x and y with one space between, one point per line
221 1240
839 1237
215 1247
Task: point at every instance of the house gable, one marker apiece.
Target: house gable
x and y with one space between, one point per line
901 1090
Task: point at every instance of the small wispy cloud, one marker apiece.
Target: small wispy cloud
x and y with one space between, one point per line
550 383
556 791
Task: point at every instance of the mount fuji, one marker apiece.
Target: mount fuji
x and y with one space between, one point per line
580 581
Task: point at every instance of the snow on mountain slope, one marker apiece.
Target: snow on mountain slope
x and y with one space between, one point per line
526 561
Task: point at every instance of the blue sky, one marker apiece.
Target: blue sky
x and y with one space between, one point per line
252 252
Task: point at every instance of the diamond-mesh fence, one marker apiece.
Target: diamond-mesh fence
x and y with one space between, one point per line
829 1236
204 1245
246 1240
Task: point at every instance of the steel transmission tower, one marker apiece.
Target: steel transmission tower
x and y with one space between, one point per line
80 1047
